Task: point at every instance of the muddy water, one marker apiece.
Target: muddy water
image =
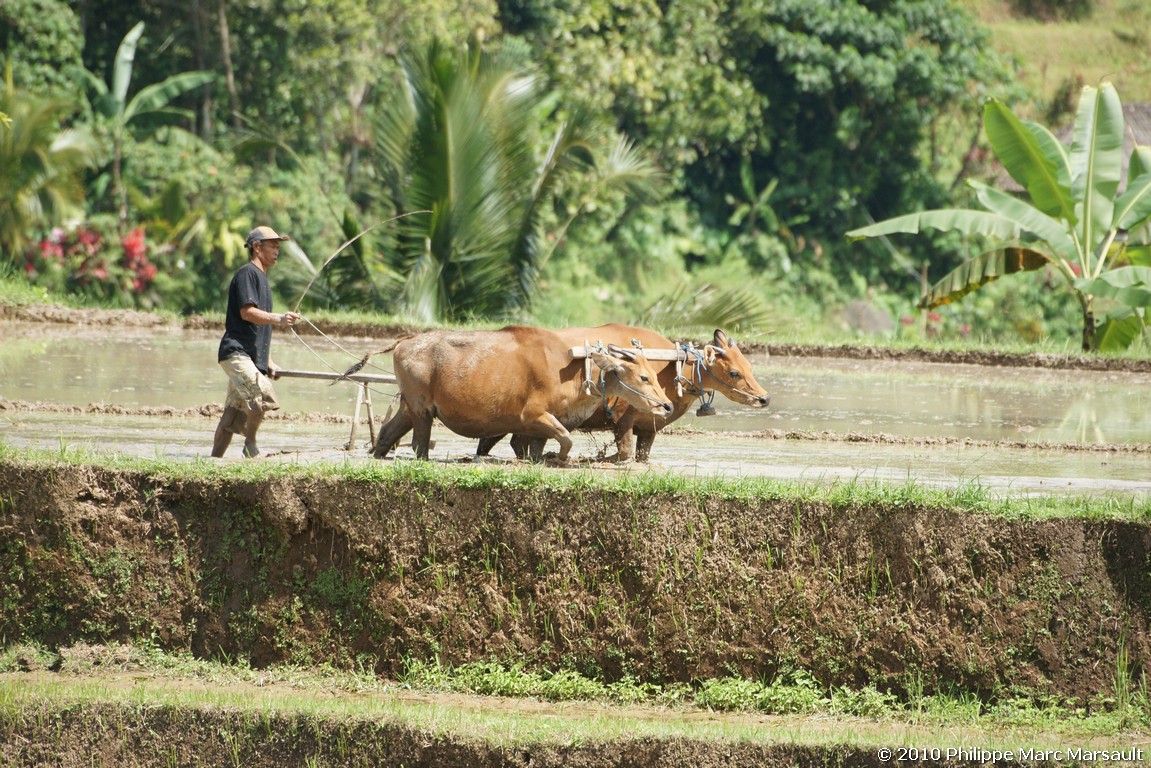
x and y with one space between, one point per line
149 368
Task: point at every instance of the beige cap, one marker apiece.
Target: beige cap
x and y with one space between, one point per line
263 233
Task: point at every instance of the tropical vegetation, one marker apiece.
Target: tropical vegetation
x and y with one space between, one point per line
525 160
1076 221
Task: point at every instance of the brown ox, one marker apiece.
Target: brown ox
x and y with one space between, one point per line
719 367
518 379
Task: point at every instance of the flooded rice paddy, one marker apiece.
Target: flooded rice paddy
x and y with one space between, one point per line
909 403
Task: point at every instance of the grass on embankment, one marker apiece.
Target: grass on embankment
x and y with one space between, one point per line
788 711
966 497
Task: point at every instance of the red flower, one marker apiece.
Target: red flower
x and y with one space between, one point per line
89 241
133 245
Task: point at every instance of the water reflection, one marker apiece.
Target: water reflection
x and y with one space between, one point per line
149 367
965 401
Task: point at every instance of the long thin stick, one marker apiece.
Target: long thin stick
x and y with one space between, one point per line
340 250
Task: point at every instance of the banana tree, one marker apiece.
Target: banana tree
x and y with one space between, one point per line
1075 220
150 105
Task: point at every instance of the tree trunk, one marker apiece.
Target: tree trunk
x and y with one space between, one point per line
1088 323
205 121
118 191
226 55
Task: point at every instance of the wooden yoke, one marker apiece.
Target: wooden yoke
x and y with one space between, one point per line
577 353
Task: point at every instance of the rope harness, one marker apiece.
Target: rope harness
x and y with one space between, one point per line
590 386
694 385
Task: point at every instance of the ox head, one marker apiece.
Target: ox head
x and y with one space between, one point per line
629 376
726 370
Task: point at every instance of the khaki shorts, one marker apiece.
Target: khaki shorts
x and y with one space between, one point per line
246 383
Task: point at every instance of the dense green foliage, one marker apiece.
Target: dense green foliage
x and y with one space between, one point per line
1075 223
40 163
777 126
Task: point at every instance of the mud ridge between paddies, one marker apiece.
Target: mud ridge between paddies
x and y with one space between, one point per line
98 709
50 313
213 410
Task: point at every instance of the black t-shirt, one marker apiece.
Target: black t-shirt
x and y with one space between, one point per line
249 286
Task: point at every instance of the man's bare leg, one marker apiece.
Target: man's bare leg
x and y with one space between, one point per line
221 440
251 426
232 422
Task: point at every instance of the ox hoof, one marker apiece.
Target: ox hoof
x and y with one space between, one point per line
618 458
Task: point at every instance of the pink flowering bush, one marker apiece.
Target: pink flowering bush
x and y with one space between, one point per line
93 261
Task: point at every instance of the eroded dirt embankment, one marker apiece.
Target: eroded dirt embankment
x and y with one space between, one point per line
145 737
664 588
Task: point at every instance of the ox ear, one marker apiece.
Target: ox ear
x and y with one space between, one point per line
721 340
710 353
621 352
606 362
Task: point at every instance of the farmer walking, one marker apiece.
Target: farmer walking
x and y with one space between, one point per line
245 349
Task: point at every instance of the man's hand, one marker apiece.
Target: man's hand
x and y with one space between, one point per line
289 318
273 371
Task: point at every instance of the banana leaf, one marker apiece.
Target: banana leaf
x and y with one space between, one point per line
1051 231
947 219
1140 162
155 97
1033 157
1118 330
1134 205
1130 286
980 271
1138 256
1096 160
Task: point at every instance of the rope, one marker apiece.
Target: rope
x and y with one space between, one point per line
700 369
335 344
603 390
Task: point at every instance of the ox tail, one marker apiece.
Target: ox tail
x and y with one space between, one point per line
356 368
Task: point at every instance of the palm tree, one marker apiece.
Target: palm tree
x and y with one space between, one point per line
460 144
40 167
1076 221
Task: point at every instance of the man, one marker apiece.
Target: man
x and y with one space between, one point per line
245 349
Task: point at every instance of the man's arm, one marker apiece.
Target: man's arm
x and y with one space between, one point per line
257 316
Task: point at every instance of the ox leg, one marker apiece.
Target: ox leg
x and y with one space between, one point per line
391 432
624 430
643 441
485 445
532 447
422 434
545 427
525 445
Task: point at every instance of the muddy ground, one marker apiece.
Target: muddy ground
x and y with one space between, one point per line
661 588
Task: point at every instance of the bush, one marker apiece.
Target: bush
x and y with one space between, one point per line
92 261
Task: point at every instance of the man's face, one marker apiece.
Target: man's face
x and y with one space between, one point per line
268 252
